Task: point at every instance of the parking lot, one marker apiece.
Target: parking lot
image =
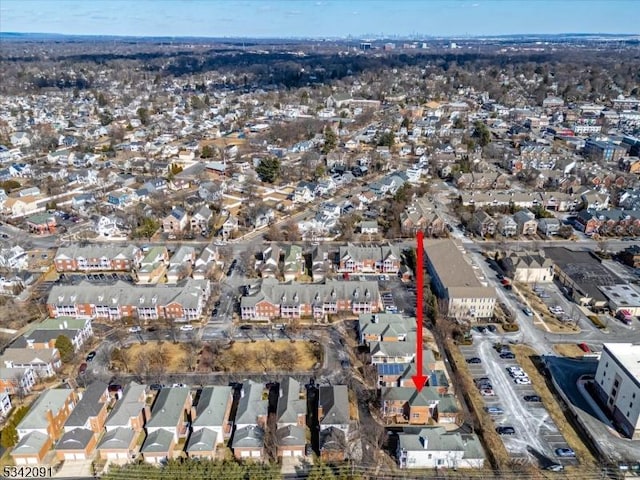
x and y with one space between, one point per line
72 279
536 435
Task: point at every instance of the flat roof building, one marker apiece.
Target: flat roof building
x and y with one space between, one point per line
618 385
454 280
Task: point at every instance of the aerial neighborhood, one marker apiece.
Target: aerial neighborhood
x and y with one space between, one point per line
204 262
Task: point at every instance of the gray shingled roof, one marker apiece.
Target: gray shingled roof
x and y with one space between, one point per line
88 406
334 401
203 440
118 438
289 404
31 443
313 293
187 294
251 436
212 406
53 400
251 404
97 251
76 439
168 408
128 406
291 435
157 441
438 439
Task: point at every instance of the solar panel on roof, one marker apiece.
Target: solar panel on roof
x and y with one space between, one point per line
391 368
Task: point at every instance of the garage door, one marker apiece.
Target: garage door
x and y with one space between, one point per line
74 456
296 453
255 453
21 461
32 460
287 453
245 453
116 455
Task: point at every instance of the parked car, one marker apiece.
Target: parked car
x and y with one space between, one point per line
186 328
507 356
487 392
554 467
91 356
135 329
506 430
565 452
532 398
522 381
494 410
155 386
527 311
83 368
474 360
114 387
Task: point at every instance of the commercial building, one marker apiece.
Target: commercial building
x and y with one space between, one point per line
618 385
454 280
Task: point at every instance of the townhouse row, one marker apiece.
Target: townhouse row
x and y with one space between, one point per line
122 425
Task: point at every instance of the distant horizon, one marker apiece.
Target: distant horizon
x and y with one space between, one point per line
348 37
319 19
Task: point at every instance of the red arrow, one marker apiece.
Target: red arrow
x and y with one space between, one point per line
419 379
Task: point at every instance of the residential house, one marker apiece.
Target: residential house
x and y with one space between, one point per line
291 441
206 262
17 381
43 425
107 226
392 352
293 300
97 258
22 206
526 222
153 265
334 408
210 421
120 199
482 224
293 263
181 263
130 410
369 227
252 408
42 223
292 404
201 219
45 361
528 267
118 444
82 326
549 226
507 226
321 264
40 339
230 226
176 221
435 447
184 301
304 192
85 424
408 405
168 423
384 327
422 215
248 443
369 259
270 262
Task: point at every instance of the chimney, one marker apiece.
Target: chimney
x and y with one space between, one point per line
65 324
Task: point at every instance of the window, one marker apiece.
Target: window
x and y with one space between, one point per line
616 383
630 404
415 415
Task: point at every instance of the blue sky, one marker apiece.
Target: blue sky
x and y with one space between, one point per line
318 18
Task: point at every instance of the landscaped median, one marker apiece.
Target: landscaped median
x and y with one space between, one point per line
529 360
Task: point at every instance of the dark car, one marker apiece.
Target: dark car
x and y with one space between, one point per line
506 430
474 360
114 387
507 356
83 368
532 398
91 356
492 328
246 327
155 386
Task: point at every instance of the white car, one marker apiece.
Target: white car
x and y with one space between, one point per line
135 329
522 380
186 328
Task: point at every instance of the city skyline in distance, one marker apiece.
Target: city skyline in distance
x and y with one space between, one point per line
319 18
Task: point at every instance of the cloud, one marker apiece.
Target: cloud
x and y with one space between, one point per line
475 5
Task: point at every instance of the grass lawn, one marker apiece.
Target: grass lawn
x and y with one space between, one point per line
526 357
173 356
568 350
264 355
